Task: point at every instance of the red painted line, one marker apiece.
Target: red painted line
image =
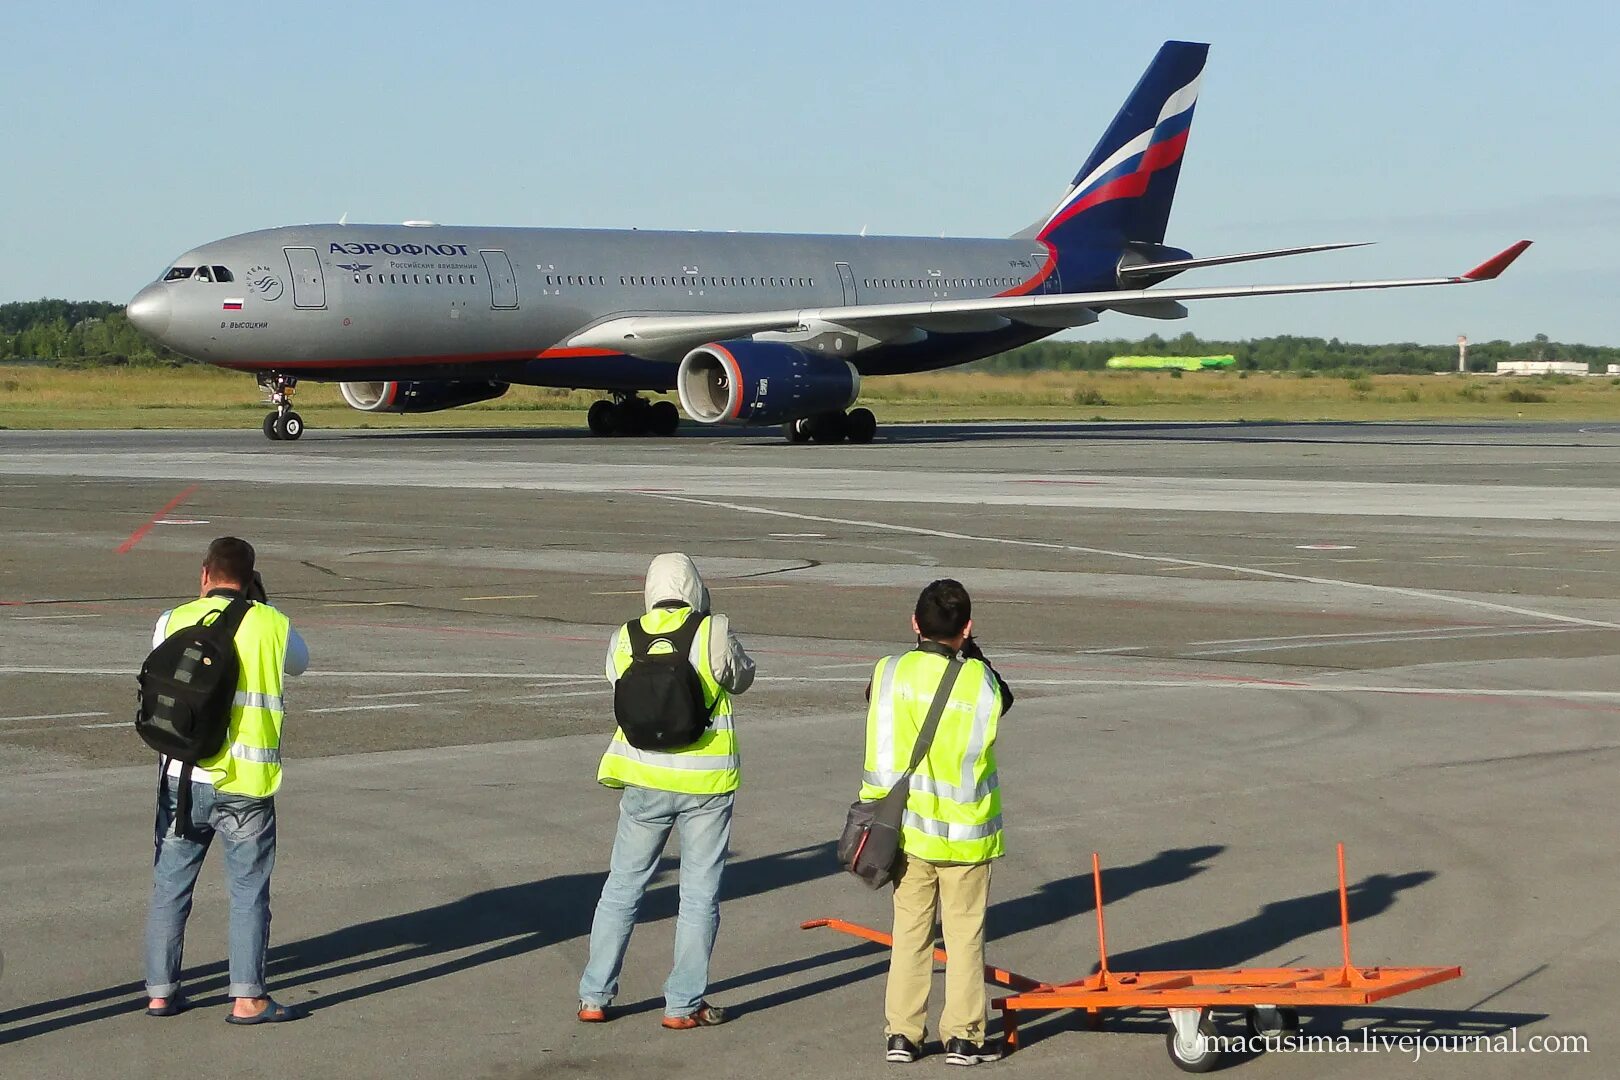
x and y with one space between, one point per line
139 534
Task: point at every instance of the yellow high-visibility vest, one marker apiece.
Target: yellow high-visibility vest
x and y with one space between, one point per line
710 766
250 761
953 812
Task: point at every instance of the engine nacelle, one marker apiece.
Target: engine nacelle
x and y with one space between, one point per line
762 382
418 397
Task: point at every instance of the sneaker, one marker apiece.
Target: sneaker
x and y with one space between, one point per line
592 1014
705 1015
962 1052
901 1051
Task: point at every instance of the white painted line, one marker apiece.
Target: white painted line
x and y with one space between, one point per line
180 521
1324 547
1280 646
1362 633
55 716
517 596
409 693
47 618
1517 554
120 724
367 603
915 530
365 708
567 693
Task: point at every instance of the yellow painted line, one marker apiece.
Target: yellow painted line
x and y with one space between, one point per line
517 596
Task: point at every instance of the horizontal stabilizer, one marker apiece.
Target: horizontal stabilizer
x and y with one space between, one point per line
1176 266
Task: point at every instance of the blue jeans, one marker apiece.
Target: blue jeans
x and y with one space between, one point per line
248 828
645 819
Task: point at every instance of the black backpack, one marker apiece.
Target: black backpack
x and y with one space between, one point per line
659 700
187 685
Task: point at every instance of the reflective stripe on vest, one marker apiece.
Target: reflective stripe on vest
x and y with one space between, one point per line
953 810
710 766
250 762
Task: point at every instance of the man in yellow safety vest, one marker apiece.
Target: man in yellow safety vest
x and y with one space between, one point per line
688 788
952 827
232 796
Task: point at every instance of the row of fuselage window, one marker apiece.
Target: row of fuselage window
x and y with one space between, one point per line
942 283
690 280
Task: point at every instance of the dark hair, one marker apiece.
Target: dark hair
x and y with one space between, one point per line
943 609
229 560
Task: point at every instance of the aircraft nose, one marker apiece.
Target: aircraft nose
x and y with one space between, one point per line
149 311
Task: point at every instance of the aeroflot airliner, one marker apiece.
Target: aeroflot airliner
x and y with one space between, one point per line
746 328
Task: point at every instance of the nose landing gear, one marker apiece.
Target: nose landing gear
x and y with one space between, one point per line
283 424
856 426
632 414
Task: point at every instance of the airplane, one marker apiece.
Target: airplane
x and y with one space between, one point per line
746 328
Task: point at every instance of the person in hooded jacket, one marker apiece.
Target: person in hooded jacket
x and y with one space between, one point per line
689 790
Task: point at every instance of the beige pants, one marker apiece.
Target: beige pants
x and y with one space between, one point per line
961 894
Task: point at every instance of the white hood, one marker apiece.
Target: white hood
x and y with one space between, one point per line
673 576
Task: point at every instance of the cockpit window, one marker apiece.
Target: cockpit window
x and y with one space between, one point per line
179 273
203 274
222 274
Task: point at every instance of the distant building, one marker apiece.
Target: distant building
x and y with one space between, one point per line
1542 367
1614 369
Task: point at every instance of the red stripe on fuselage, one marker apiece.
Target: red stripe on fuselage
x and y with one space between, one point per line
1041 275
337 364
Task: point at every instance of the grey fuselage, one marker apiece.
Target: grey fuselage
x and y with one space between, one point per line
433 302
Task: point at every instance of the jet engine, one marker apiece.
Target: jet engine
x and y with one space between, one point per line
762 382
418 397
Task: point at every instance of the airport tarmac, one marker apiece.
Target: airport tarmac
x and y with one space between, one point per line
1233 645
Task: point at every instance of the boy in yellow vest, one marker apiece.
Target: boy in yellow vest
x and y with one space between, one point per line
232 796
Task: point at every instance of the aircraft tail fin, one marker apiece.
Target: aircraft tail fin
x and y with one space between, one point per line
1122 194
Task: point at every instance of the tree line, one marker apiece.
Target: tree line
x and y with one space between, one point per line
95 332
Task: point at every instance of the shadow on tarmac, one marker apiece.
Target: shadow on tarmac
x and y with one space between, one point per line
498 923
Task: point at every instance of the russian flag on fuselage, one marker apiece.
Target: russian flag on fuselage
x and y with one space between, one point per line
1137 159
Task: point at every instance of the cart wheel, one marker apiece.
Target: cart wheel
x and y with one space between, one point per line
1280 1022
1201 1056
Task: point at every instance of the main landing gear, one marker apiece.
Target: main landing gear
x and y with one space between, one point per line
632 414
283 423
857 426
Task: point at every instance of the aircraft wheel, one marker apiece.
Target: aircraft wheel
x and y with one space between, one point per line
828 428
629 419
794 431
600 418
270 430
861 425
663 418
1201 1055
290 427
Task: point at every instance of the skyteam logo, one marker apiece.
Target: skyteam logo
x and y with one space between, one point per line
263 283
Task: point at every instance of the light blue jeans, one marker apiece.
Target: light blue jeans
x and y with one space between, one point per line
645 820
248 829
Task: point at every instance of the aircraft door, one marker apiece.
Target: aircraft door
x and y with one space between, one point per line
846 278
1051 284
309 287
502 282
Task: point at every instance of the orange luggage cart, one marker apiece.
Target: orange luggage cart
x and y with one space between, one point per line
1270 998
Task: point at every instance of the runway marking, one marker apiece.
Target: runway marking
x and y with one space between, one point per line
916 530
517 596
367 603
746 588
1324 547
1433 557
181 521
567 693
54 716
1389 640
1359 633
410 693
799 536
49 618
94 727
1519 554
140 533
365 708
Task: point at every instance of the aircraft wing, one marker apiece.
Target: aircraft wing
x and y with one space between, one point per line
670 336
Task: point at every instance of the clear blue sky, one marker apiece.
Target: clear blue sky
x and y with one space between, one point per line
1442 130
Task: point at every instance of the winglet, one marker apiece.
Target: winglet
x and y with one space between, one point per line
1493 266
